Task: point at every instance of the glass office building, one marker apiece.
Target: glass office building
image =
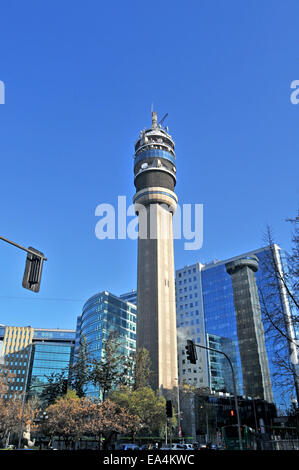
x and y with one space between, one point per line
103 314
130 296
208 294
48 358
31 355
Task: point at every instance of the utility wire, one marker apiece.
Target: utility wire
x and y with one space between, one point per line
41 298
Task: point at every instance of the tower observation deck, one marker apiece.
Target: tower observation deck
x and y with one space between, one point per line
155 203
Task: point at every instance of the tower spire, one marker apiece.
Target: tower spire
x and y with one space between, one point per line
155 179
154 120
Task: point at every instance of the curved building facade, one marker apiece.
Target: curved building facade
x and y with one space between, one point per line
102 314
251 336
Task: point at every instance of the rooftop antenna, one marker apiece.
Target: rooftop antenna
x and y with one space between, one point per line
162 120
154 119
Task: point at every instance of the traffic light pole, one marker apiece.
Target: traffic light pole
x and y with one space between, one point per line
234 385
20 246
33 266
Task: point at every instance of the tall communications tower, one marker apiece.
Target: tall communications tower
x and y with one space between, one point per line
155 203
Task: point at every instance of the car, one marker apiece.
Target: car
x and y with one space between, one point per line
202 447
128 447
174 446
165 447
189 447
211 446
144 447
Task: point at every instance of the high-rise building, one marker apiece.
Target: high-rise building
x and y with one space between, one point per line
31 355
130 297
218 306
191 325
102 314
51 353
155 202
250 329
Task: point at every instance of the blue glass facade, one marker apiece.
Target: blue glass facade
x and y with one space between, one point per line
154 153
48 358
53 335
214 287
130 297
271 342
44 352
220 320
103 314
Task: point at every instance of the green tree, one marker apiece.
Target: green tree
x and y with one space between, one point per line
105 419
142 369
56 387
148 405
112 369
65 419
80 369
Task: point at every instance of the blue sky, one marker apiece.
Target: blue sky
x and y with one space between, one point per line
80 79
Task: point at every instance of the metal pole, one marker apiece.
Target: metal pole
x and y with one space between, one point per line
24 398
235 389
254 411
21 247
166 432
207 426
21 424
179 409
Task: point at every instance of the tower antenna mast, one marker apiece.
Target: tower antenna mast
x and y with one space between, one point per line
163 119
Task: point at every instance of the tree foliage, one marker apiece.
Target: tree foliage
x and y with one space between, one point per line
142 369
65 418
104 419
71 418
56 387
145 403
80 369
112 369
12 410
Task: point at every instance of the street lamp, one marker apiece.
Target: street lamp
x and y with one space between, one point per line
234 384
205 409
179 408
42 419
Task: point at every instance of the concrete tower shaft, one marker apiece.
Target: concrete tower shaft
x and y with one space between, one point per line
155 202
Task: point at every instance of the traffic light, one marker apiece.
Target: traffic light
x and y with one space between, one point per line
64 386
191 351
232 413
168 409
33 270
